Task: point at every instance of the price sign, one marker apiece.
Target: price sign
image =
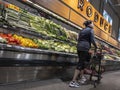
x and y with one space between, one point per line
13 7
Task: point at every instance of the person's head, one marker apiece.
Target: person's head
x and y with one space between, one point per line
88 23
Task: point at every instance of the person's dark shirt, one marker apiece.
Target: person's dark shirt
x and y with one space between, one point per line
85 38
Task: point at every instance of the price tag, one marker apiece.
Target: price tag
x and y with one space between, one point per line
13 7
9 45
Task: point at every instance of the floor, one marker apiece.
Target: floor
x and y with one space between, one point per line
110 81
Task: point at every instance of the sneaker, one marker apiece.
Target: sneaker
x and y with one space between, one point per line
74 84
82 80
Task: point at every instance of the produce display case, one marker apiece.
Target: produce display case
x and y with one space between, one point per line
33 46
52 35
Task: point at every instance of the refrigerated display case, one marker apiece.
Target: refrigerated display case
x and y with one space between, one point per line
50 35
33 44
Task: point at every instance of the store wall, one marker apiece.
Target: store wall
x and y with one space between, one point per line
101 5
115 18
96 4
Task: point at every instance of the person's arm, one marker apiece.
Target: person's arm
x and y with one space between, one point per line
92 38
78 37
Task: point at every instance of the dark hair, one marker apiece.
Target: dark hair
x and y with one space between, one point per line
86 23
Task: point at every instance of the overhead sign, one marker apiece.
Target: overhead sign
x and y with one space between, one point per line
84 8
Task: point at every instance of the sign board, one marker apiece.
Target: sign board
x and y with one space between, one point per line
84 8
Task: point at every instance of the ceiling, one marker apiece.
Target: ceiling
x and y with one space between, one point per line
116 6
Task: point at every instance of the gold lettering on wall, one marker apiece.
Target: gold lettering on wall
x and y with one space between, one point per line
101 21
105 26
90 13
110 29
96 17
81 4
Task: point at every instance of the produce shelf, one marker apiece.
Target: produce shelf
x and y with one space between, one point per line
31 50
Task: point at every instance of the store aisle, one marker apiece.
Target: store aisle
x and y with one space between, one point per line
110 81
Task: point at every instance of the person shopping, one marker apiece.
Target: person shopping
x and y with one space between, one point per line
85 39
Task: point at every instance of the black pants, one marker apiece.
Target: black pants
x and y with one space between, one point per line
84 59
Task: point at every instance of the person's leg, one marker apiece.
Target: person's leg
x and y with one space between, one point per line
74 83
82 77
84 66
78 68
76 73
82 72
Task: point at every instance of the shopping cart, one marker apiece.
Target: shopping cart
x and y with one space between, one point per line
95 68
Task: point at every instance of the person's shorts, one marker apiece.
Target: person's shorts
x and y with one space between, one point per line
84 59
